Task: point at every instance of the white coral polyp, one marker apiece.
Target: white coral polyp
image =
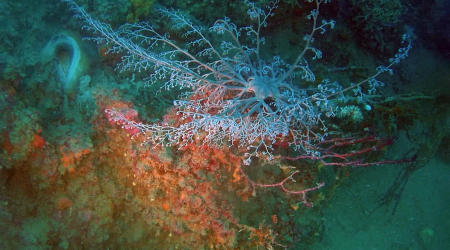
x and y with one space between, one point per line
264 87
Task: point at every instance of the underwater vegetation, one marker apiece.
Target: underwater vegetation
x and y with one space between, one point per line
200 124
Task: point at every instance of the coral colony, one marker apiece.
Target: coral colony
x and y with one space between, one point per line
236 97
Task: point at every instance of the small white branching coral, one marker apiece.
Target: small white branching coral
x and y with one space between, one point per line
237 96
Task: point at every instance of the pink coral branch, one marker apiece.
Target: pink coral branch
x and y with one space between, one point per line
329 156
281 184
